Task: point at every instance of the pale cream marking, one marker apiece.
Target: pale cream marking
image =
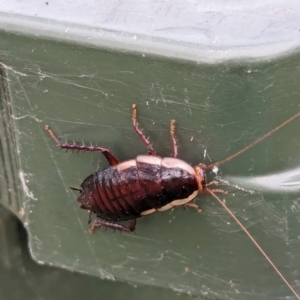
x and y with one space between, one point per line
126 164
148 212
170 162
178 202
165 207
149 159
184 201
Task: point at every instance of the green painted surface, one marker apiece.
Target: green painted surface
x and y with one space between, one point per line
86 94
22 278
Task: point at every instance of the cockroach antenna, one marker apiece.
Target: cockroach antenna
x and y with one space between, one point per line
221 162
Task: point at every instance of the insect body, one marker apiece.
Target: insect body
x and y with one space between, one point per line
138 187
147 184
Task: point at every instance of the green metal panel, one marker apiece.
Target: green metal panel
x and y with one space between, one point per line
85 93
22 278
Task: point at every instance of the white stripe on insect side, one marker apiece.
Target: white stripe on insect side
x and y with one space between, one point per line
170 162
165 207
148 212
149 159
170 205
126 164
184 201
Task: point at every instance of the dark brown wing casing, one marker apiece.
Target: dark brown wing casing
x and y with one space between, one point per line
139 187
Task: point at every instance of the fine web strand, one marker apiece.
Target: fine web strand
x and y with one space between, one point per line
254 242
253 143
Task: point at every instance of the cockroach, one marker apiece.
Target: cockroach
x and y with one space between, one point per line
139 187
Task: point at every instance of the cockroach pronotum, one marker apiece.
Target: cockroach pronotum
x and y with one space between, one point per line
139 187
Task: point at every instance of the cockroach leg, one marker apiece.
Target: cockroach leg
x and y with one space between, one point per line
172 132
102 223
204 166
212 182
132 225
194 205
113 161
139 131
218 191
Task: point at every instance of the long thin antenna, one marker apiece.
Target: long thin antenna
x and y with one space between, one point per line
252 144
254 242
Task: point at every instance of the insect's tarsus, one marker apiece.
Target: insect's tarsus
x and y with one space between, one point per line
140 132
174 142
73 146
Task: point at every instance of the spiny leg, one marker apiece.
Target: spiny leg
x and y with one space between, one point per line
172 132
214 182
139 131
115 226
108 155
218 191
194 205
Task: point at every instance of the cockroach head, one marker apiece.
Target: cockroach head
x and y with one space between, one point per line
201 178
